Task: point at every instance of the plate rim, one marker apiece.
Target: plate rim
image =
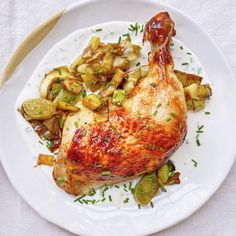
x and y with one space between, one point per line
66 10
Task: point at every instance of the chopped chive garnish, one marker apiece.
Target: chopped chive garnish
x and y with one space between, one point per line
185 63
40 142
172 44
126 200
132 28
189 53
199 131
141 29
198 142
127 36
125 190
181 47
103 199
194 163
125 185
49 145
117 186
67 128
207 113
119 40
135 28
200 127
130 185
92 192
79 198
132 190
173 114
85 201
152 205
98 30
83 94
139 206
110 199
168 119
138 64
158 105
155 112
104 190
105 173
161 148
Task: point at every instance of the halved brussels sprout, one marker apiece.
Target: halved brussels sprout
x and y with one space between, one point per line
132 79
55 75
107 62
118 77
77 62
56 88
67 97
90 80
87 54
62 120
96 56
144 70
65 106
204 91
92 102
131 51
94 42
121 63
118 97
39 108
163 173
146 188
109 89
115 82
194 102
186 78
195 92
73 85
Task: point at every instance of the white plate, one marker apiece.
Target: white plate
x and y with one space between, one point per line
215 156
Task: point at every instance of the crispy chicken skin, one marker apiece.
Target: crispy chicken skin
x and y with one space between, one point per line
139 137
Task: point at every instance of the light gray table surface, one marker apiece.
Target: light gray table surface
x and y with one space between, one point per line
218 216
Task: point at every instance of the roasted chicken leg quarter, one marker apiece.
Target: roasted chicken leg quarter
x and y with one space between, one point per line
139 137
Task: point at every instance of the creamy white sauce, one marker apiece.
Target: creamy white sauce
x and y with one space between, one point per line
64 53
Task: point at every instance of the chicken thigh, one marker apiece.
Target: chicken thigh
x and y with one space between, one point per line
139 137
